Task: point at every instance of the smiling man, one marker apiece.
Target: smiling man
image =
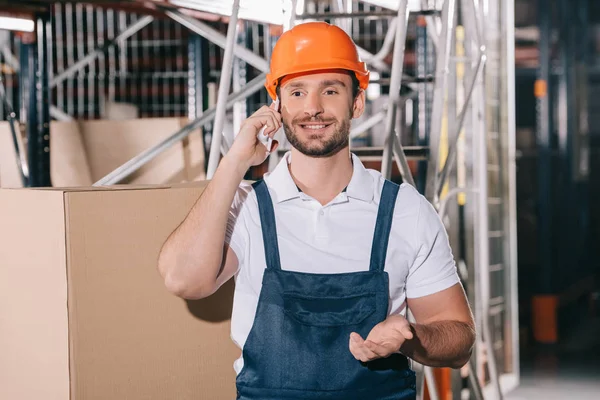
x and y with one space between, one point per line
326 254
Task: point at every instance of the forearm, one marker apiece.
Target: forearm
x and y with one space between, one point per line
440 344
191 258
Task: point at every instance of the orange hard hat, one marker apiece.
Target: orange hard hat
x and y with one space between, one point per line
314 46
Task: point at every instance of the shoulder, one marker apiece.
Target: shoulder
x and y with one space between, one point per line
245 198
408 201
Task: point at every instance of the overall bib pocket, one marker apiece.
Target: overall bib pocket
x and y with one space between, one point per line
329 312
317 332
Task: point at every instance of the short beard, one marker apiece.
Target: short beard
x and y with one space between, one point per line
325 148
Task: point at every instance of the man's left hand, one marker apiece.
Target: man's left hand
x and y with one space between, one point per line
384 339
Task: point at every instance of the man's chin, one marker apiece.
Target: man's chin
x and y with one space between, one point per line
320 152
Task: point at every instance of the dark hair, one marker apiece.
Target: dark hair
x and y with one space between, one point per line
355 85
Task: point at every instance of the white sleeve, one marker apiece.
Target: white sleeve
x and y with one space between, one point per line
434 268
236 233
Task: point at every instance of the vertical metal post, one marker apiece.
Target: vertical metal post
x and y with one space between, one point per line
155 105
79 27
26 76
60 45
252 40
473 127
452 134
239 80
195 87
581 158
168 68
217 136
430 382
422 54
91 78
112 61
122 23
39 110
543 93
510 207
565 134
101 63
481 221
70 46
457 235
439 96
395 80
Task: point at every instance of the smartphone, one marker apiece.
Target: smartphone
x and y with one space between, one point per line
262 137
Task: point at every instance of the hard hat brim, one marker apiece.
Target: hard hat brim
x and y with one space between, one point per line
359 69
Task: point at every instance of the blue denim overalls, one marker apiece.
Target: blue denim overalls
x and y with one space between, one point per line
298 347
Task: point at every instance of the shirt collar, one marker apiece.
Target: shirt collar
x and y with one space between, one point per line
361 186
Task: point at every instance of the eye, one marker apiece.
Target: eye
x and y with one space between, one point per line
296 94
330 92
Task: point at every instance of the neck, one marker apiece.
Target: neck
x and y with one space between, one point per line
321 178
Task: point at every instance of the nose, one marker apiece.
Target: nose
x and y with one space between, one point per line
313 106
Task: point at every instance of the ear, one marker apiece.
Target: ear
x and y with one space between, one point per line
358 107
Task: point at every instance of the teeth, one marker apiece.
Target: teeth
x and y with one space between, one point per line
315 126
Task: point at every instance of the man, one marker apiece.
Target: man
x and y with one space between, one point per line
327 255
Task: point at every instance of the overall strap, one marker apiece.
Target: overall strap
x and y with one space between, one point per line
383 226
267 222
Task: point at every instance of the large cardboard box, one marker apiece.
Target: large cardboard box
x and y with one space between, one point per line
84 314
83 152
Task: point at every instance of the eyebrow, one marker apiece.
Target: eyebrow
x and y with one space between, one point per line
328 82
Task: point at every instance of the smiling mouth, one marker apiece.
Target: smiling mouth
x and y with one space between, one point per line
314 126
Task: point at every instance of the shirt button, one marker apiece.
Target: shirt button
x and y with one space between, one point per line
321 212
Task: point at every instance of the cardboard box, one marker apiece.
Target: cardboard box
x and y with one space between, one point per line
83 152
84 314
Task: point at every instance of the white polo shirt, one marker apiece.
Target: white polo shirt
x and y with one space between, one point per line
337 238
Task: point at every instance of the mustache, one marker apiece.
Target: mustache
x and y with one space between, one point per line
304 120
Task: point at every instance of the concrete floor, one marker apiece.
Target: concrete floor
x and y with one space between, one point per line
570 370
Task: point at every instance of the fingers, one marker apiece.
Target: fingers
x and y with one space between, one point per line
407 332
359 350
379 350
269 117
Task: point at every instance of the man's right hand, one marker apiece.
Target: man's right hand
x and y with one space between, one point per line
247 149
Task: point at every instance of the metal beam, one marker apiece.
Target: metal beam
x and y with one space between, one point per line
424 55
355 14
451 158
195 86
543 93
394 95
38 143
59 114
142 159
367 124
439 96
220 40
377 59
226 69
510 206
400 157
